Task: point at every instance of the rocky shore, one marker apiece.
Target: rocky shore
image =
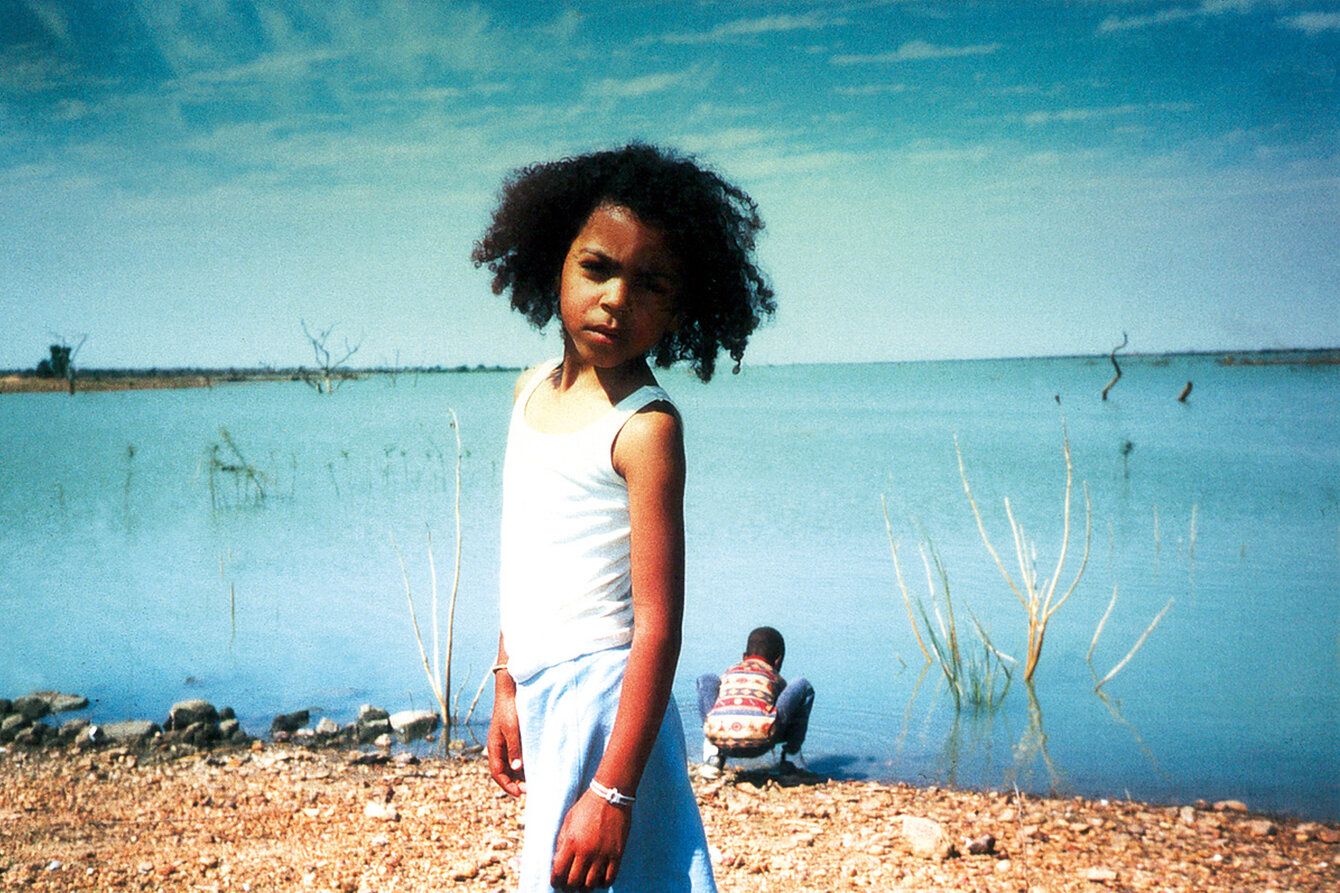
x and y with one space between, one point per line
163 813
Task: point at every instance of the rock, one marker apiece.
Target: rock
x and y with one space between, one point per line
229 727
130 731
1328 835
58 702
187 713
384 812
11 724
33 735
327 728
94 736
6 705
201 734
1260 828
411 725
368 759
71 729
31 707
981 846
368 713
290 722
1230 806
927 838
383 741
372 722
1100 876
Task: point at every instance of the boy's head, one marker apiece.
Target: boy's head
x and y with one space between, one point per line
767 643
709 224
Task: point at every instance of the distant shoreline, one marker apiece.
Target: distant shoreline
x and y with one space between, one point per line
27 381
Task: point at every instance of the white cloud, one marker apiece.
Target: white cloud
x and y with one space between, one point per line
772 24
872 90
916 51
52 18
634 88
1205 9
1314 23
1074 115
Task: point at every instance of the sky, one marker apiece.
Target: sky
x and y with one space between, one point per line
187 183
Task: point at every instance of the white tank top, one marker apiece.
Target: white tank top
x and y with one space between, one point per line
565 584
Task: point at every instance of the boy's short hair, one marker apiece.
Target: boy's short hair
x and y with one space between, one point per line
767 643
709 224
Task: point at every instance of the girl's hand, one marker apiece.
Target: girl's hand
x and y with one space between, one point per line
504 743
590 844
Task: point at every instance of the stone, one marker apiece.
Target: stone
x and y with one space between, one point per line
384 812
372 723
1230 806
290 722
31 707
184 714
229 727
71 729
927 838
368 713
981 846
33 735
57 702
411 725
1260 827
11 724
1100 875
201 734
130 731
327 727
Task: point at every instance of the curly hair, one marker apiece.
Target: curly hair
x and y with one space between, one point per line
708 223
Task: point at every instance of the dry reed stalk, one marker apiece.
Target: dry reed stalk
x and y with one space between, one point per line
439 673
898 571
1136 647
1041 601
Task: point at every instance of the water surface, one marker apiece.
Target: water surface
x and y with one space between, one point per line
137 570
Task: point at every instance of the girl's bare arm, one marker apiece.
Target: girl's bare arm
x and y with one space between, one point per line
504 740
649 453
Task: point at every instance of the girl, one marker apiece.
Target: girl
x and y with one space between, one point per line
642 255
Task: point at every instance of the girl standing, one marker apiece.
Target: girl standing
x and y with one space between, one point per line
645 258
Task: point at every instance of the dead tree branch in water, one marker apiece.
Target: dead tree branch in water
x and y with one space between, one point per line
1186 392
328 375
1117 369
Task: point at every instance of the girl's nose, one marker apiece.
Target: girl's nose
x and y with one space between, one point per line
614 297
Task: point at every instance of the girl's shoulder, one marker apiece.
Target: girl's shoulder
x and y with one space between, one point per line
528 376
653 435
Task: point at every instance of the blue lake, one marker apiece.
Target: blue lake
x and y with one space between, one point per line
137 571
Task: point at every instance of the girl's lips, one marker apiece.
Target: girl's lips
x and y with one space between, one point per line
605 332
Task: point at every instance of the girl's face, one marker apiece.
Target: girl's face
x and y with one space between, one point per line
619 288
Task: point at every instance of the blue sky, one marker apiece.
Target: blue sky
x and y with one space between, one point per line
184 182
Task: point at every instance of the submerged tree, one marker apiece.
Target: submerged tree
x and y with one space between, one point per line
329 373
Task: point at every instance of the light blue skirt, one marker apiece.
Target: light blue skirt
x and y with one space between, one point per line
567 714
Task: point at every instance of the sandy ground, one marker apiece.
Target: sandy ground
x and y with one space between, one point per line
284 818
